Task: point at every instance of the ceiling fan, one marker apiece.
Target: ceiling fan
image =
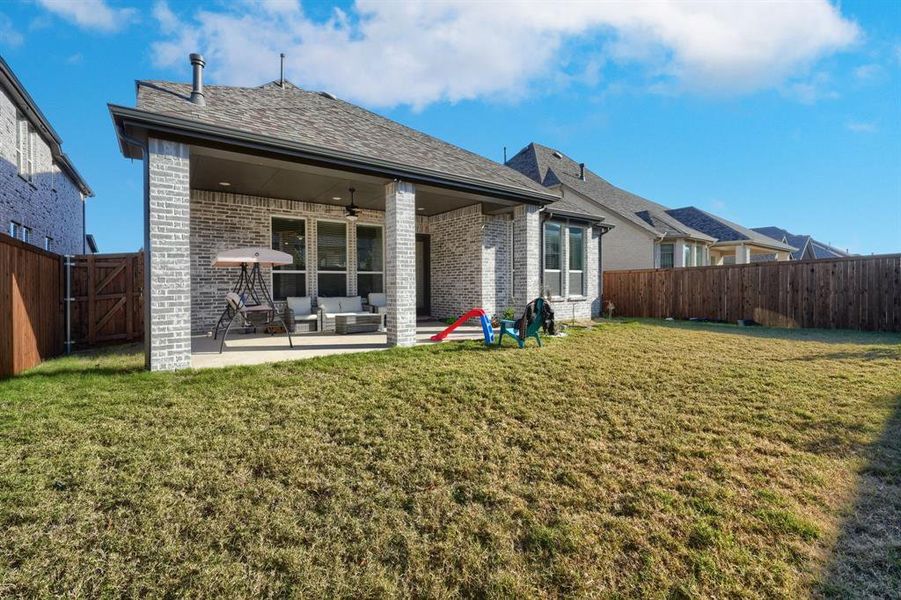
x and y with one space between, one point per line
352 210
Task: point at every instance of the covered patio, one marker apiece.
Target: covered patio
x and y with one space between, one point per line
258 348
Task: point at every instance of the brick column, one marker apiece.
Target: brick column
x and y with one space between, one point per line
400 262
167 287
526 254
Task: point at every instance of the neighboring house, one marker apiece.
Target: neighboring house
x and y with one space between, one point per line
734 244
438 229
807 247
41 194
646 234
643 236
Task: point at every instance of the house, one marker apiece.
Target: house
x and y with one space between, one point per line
362 203
735 244
643 236
807 247
646 234
42 196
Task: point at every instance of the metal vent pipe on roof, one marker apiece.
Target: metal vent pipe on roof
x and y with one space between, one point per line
197 63
582 171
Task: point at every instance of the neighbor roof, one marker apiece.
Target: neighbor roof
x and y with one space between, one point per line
551 168
26 105
314 124
723 230
802 242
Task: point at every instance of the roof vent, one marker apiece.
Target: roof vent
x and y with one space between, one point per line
557 154
197 63
328 95
582 171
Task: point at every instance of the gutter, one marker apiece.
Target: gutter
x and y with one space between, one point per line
124 117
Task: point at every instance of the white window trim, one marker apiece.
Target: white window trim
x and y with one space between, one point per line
356 251
304 272
346 270
660 255
544 268
30 156
48 243
26 234
20 144
15 229
581 271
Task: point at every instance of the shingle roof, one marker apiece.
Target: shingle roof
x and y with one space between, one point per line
551 167
722 229
300 116
817 248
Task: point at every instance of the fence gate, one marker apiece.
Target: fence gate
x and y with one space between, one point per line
107 298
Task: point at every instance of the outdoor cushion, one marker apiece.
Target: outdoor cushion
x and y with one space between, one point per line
301 305
378 300
305 317
349 305
329 305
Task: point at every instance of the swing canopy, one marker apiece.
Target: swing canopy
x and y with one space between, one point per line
249 255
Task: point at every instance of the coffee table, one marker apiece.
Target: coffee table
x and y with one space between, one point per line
360 323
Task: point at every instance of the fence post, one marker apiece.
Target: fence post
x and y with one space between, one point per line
68 299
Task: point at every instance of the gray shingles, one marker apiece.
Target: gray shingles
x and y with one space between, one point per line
801 242
722 229
551 167
301 116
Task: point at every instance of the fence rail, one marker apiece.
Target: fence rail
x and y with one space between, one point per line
861 293
31 299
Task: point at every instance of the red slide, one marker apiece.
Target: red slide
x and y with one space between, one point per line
474 313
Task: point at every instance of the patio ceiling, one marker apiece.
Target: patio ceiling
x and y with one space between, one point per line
274 178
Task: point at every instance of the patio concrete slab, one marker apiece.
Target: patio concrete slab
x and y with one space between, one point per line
258 348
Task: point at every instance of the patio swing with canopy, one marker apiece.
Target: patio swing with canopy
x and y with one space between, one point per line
250 294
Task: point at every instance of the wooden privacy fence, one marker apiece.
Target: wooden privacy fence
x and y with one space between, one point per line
848 293
31 300
105 302
107 293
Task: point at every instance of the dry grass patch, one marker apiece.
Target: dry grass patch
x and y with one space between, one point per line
641 459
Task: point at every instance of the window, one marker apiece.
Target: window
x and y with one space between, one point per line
15 229
702 255
552 259
686 255
24 147
48 244
666 256
290 235
331 252
370 260
576 261
26 234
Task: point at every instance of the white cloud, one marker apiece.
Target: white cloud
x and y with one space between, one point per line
90 14
867 72
389 53
861 127
8 34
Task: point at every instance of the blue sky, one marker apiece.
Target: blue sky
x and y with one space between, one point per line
764 113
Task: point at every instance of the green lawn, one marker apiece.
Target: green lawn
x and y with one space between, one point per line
634 459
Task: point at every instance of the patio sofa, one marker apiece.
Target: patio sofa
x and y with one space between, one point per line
329 308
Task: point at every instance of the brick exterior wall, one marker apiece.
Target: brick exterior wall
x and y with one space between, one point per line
497 263
400 262
168 272
456 244
220 221
50 204
526 254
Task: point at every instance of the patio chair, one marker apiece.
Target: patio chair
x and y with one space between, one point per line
511 329
378 303
302 307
